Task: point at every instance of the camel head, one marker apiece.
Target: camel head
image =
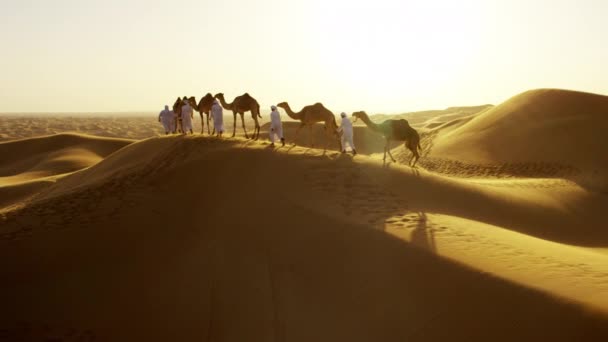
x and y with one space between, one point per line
192 102
177 103
359 114
283 105
218 95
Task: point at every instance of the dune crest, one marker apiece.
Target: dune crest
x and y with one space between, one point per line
539 133
30 164
199 238
318 240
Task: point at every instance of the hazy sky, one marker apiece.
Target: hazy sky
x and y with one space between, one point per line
380 55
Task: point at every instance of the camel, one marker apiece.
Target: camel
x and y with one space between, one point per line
240 105
177 109
310 115
204 107
399 130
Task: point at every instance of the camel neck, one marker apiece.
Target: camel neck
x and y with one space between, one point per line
224 104
290 113
369 123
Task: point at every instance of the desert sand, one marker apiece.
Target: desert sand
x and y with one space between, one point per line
499 235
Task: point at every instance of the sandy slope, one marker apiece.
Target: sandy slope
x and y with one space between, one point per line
117 125
28 165
113 125
548 132
500 235
183 238
432 118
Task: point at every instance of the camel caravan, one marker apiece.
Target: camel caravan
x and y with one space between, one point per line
210 107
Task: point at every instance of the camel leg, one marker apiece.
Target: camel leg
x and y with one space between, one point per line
339 140
387 149
207 115
234 124
295 139
202 123
328 137
243 122
256 132
257 128
390 154
312 144
415 157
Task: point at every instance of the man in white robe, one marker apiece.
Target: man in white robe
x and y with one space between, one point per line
218 118
347 133
167 118
187 115
276 127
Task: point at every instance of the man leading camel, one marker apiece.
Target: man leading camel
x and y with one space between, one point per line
347 133
276 127
218 118
187 115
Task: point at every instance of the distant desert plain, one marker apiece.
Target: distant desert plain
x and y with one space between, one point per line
111 230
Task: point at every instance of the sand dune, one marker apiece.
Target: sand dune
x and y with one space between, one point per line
427 117
113 125
20 126
499 235
555 128
184 238
29 165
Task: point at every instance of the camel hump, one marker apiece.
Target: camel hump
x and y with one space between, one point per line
402 124
319 105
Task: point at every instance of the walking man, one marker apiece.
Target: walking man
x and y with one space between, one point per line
187 115
167 118
218 118
347 133
276 127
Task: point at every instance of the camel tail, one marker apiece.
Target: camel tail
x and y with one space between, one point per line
419 147
259 115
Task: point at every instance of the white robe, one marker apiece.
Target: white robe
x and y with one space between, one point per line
347 133
218 118
276 127
186 118
167 118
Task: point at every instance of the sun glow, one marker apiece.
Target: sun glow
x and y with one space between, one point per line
381 56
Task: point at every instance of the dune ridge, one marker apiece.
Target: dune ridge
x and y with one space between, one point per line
195 237
315 243
539 133
29 165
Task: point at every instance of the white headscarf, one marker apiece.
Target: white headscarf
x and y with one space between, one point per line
343 114
273 107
